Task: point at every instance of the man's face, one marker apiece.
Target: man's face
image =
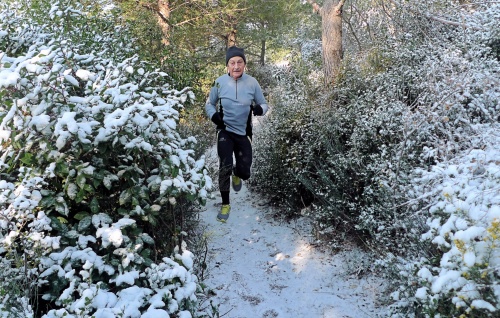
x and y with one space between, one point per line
236 66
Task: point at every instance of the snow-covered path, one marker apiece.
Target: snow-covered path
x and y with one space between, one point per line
260 267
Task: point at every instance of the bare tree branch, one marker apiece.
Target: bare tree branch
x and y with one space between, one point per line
206 15
441 20
157 11
316 7
353 33
462 25
339 6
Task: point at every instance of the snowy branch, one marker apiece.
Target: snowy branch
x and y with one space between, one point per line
463 25
441 20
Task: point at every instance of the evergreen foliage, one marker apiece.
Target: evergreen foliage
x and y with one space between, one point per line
99 176
96 183
371 157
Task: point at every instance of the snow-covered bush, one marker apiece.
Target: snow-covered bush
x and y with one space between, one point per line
426 106
95 179
332 148
460 274
276 154
355 149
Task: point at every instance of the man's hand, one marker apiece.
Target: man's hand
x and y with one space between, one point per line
257 110
217 119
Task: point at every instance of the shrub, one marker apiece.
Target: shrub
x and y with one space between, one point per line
277 141
459 85
97 183
355 149
460 277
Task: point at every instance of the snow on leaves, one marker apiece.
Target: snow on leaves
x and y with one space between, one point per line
88 132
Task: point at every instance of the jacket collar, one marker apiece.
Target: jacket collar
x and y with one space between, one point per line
237 79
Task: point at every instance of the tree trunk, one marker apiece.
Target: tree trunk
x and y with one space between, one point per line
231 39
163 18
162 11
331 16
263 52
331 21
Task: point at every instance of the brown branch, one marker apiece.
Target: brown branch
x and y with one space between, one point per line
463 25
204 16
362 17
338 7
157 11
316 7
349 24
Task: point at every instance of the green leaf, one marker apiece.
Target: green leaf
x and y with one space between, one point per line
57 225
87 147
202 201
80 196
152 220
122 211
116 263
175 172
136 231
62 220
48 201
103 148
80 215
71 190
191 197
72 234
147 239
124 197
146 253
84 223
62 208
143 192
27 159
135 201
97 178
61 168
80 180
94 205
108 179
88 188
99 174
147 261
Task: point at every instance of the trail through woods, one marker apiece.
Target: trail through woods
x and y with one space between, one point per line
259 266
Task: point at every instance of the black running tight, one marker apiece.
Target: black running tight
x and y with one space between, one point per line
228 144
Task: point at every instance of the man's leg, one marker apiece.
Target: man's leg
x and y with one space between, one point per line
225 151
243 155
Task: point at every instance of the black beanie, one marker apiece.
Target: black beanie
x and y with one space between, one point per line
235 51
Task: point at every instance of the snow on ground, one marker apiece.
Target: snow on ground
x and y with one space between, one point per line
262 267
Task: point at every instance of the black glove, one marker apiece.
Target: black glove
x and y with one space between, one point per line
217 119
257 110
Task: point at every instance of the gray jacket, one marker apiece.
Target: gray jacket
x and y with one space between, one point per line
235 96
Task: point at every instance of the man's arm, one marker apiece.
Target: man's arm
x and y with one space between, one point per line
260 99
210 105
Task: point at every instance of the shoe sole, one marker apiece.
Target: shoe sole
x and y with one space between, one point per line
237 188
221 217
